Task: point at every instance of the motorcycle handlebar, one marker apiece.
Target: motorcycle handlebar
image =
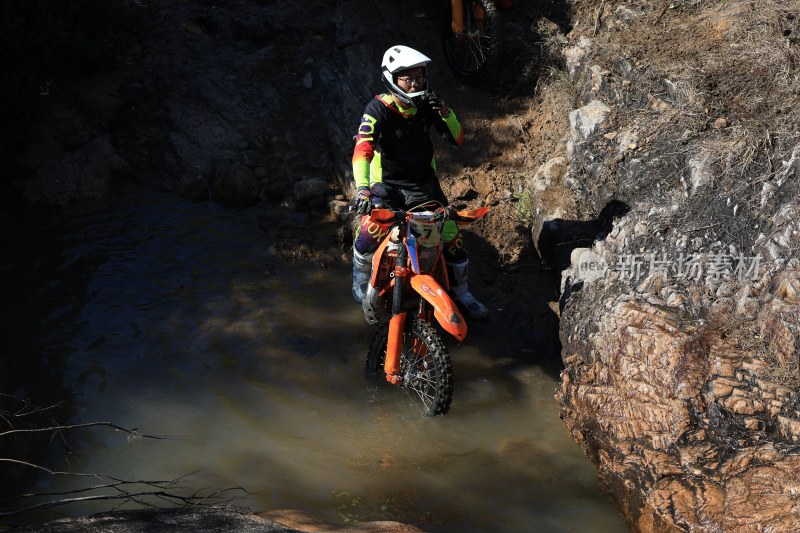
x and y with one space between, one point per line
398 215
441 213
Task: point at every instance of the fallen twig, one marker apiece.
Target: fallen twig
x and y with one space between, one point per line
132 432
598 17
663 10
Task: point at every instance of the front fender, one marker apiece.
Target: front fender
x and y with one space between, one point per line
444 309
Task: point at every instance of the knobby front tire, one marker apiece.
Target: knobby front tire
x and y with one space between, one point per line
474 52
424 366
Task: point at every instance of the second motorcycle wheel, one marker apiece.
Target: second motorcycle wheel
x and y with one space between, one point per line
425 367
475 50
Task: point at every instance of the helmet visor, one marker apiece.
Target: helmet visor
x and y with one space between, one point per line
412 83
413 79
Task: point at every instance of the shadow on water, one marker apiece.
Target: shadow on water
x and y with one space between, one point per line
522 326
182 320
33 352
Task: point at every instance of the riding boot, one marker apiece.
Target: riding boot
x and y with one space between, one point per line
362 267
460 289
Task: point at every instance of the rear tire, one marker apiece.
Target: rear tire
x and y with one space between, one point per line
424 366
476 51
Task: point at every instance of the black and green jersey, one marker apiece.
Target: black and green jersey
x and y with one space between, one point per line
393 143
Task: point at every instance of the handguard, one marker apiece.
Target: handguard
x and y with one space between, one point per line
463 218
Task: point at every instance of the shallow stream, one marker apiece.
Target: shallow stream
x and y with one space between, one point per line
179 320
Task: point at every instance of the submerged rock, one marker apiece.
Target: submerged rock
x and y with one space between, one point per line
206 519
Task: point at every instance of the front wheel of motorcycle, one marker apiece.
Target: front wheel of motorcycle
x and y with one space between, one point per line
425 367
473 52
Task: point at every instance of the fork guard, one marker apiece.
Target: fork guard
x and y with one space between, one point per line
373 307
444 309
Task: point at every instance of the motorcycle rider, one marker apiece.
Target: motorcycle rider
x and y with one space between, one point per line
393 164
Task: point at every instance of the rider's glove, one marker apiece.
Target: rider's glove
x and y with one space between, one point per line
438 105
446 213
362 201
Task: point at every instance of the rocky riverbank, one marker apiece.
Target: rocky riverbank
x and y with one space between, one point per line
670 129
680 333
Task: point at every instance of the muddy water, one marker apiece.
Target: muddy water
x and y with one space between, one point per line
177 319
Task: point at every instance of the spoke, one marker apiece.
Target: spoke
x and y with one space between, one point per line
420 348
422 378
473 49
427 399
422 392
417 374
426 376
477 54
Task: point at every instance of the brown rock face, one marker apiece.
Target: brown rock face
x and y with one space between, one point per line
682 424
680 331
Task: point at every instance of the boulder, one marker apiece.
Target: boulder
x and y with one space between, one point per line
235 184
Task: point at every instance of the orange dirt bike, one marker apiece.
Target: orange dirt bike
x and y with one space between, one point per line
407 291
471 37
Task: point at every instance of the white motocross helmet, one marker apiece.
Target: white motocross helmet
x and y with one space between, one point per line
397 59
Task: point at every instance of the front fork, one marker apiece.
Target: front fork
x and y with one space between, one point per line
394 343
457 16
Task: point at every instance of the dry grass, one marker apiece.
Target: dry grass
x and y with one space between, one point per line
555 92
769 31
746 337
734 95
788 375
734 60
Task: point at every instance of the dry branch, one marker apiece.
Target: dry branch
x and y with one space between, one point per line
146 493
133 432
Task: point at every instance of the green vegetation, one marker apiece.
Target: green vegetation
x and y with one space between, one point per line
524 206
